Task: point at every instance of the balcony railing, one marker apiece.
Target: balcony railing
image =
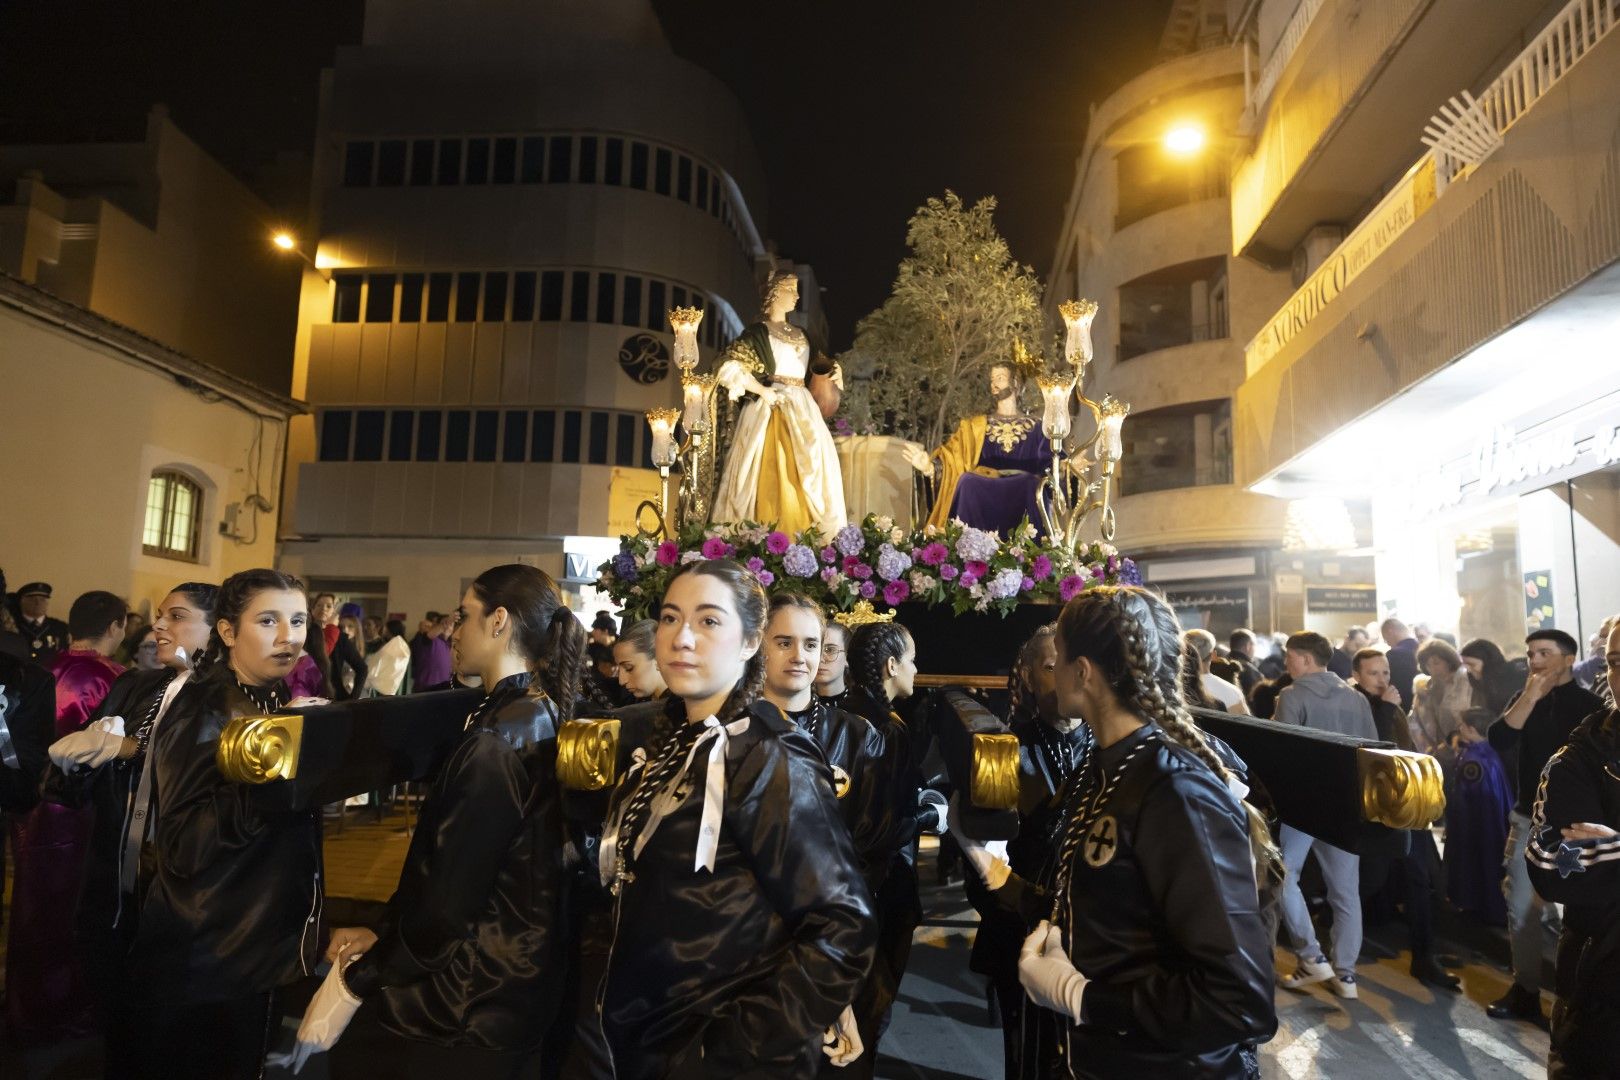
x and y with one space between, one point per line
1292 35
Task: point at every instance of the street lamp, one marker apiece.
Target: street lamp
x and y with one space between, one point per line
1185 139
284 240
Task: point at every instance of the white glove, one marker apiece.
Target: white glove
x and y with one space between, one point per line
842 1043
1047 974
989 861
930 797
329 1012
307 702
88 749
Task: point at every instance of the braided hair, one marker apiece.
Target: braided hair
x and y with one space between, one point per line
232 599
1024 707
1135 639
547 634
871 648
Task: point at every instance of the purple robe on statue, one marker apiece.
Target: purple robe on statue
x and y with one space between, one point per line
997 503
1478 798
47 998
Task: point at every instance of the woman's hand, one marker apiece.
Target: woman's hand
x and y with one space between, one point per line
349 943
1588 830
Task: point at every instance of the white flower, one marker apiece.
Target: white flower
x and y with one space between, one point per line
690 556
1105 550
977 592
983 604
897 535
920 581
884 523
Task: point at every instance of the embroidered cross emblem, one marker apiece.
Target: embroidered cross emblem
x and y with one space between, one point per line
1101 842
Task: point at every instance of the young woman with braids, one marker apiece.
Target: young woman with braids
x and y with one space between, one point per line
465 970
230 895
741 924
1150 956
635 653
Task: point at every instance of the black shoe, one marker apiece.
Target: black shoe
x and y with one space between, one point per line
1517 1004
1426 970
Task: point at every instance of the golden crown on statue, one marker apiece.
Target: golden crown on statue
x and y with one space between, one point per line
862 613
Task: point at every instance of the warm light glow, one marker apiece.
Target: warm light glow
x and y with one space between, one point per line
684 321
1318 523
695 391
1113 413
662 422
284 240
1055 391
1184 140
1077 317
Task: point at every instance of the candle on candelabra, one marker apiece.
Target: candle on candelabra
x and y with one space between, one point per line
662 422
1112 413
695 391
684 321
1077 317
1055 390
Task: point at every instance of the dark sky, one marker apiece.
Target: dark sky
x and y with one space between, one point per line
861 110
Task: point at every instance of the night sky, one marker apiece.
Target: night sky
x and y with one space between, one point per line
860 110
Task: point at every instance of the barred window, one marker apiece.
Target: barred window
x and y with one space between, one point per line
173 516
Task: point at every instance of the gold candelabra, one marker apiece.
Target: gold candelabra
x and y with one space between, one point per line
696 450
1095 462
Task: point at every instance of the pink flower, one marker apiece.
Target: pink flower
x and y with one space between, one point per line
669 552
716 548
976 567
1041 568
1098 573
777 543
850 563
1029 583
830 575
869 589
895 592
948 572
967 580
829 555
933 554
766 578
755 564
1071 587
861 570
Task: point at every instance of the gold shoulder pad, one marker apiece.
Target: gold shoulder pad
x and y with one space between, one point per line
995 771
1399 788
259 749
588 754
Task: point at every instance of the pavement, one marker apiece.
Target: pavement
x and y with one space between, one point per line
941 1028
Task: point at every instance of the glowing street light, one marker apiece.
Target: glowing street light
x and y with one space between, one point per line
1184 140
285 240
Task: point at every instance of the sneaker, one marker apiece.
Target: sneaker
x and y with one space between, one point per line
1517 1004
1344 986
1308 973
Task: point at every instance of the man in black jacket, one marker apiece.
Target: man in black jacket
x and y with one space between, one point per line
1240 646
1574 858
27 725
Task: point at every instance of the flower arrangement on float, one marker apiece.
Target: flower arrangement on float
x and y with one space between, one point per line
959 567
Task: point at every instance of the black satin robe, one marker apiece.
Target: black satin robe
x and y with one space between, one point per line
28 717
471 953
756 959
863 784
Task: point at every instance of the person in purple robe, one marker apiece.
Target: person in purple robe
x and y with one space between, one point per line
1478 799
47 997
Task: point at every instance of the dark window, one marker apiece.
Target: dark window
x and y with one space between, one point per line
570 439
551 295
534 159
677 296
335 425
495 296
544 439
638 166
683 179
458 423
380 298
656 315
703 188
599 438
560 169
486 424
606 300
613 162
368 434
410 297
661 173
467 297
422 162
1175 305
515 439
357 164
427 435
400 430
477 161
587 160
1177 447
624 440
1150 181
449 161
632 301
391 163
438 308
346 297
505 161
714 196
523 296
579 298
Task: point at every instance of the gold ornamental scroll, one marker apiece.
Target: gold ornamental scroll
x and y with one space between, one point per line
588 754
1400 788
995 771
259 749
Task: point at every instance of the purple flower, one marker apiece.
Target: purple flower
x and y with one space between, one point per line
849 540
869 589
1071 587
1005 585
1129 572
1098 572
624 566
716 548
860 570
976 567
1041 568
967 580
948 572
669 553
799 561
934 554
1028 584
766 578
829 555
755 564
830 575
895 593
892 564
777 543
977 545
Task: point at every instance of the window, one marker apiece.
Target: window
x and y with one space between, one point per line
380 298
421 162
561 166
410 297
333 444
579 296
400 432
391 163
505 161
624 439
368 434
587 160
467 297
346 297
632 301
428 426
534 159
638 166
495 297
449 161
477 161
714 196
677 296
357 164
599 438
515 437
523 296
1173 306
438 306
570 437
606 297
486 422
1150 181
544 439
683 179
655 305
551 295
1177 447
661 174
173 516
457 426
702 188
613 162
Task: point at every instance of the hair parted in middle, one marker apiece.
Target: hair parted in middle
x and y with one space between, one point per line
547 634
235 593
753 609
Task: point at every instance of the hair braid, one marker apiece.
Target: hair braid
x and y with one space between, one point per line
1023 706
871 647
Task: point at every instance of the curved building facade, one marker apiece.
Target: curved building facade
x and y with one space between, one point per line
509 197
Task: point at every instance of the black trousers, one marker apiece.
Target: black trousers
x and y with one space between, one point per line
206 1040
368 1051
1586 1017
899 910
